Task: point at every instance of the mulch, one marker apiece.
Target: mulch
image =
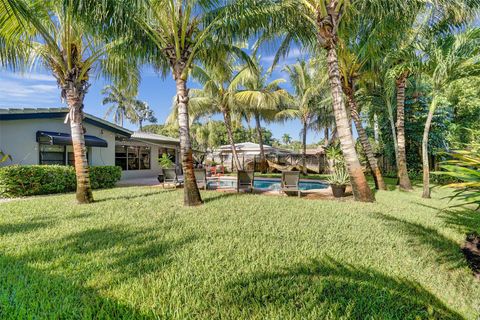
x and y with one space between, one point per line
471 250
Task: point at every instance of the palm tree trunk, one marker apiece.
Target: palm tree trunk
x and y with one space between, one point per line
402 170
425 162
260 142
228 125
304 148
360 187
326 134
75 104
191 194
367 147
392 127
140 123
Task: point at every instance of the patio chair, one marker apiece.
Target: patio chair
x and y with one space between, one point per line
290 182
201 177
245 180
170 177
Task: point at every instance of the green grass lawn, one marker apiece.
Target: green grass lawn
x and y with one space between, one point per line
137 253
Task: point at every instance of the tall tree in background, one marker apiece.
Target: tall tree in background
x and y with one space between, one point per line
61 36
448 59
310 84
143 113
184 32
121 105
260 98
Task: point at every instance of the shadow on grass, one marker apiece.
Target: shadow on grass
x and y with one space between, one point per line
27 293
217 195
462 219
329 289
135 196
121 252
448 251
11 228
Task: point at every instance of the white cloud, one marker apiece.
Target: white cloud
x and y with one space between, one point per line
27 92
33 76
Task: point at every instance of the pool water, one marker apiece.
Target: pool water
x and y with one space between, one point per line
266 185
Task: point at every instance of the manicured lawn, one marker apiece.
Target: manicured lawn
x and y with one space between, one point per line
137 253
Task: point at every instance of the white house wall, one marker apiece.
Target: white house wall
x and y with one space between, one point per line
18 139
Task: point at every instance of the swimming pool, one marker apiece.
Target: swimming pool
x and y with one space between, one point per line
265 184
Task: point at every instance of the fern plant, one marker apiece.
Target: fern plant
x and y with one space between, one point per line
464 166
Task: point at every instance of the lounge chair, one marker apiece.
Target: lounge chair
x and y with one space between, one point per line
170 177
290 181
201 177
245 180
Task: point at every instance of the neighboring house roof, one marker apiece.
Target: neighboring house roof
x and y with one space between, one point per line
318 150
249 147
48 113
156 138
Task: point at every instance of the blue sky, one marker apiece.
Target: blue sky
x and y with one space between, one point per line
39 89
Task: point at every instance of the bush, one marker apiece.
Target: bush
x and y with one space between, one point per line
104 177
17 181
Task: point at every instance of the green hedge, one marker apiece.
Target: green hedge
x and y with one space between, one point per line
18 181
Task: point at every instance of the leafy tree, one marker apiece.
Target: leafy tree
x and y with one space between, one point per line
449 58
286 139
67 40
260 98
121 105
143 113
309 83
184 32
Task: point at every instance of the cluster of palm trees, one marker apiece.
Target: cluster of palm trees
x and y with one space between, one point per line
362 52
126 106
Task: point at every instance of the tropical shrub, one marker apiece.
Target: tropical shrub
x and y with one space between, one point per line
105 176
465 167
165 162
18 181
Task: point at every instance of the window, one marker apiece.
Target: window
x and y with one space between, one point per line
52 154
132 157
56 154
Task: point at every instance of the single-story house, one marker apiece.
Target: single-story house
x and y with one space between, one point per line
40 136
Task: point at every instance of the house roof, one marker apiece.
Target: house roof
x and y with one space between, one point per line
48 113
249 147
158 138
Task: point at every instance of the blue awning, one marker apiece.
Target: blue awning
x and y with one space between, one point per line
58 138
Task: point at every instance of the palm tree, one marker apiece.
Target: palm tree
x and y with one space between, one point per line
450 58
261 99
184 32
364 44
218 95
121 105
286 139
143 113
61 36
310 84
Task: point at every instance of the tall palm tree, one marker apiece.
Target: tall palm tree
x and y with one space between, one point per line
218 95
310 84
361 46
121 104
450 58
143 113
260 99
184 32
286 139
62 37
